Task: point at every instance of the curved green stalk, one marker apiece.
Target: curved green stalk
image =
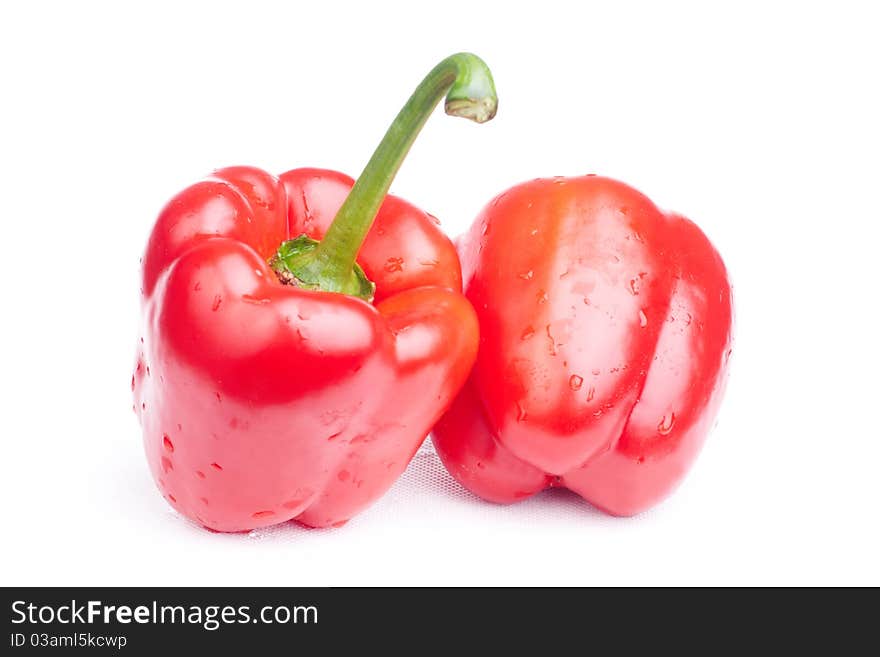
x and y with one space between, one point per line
331 264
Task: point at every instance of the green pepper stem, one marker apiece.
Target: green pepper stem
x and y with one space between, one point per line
470 93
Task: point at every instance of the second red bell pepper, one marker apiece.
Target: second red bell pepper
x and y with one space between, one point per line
605 333
292 357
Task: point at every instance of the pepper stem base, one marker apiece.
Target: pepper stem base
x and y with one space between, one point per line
297 262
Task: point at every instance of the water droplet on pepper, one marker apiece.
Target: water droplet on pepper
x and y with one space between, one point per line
666 424
394 264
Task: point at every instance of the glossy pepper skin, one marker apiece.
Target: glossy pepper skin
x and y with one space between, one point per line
262 402
606 329
302 333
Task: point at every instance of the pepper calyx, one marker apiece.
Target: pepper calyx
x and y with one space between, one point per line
296 263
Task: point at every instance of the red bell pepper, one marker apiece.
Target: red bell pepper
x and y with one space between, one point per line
292 359
605 333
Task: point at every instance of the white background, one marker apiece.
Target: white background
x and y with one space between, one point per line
759 121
